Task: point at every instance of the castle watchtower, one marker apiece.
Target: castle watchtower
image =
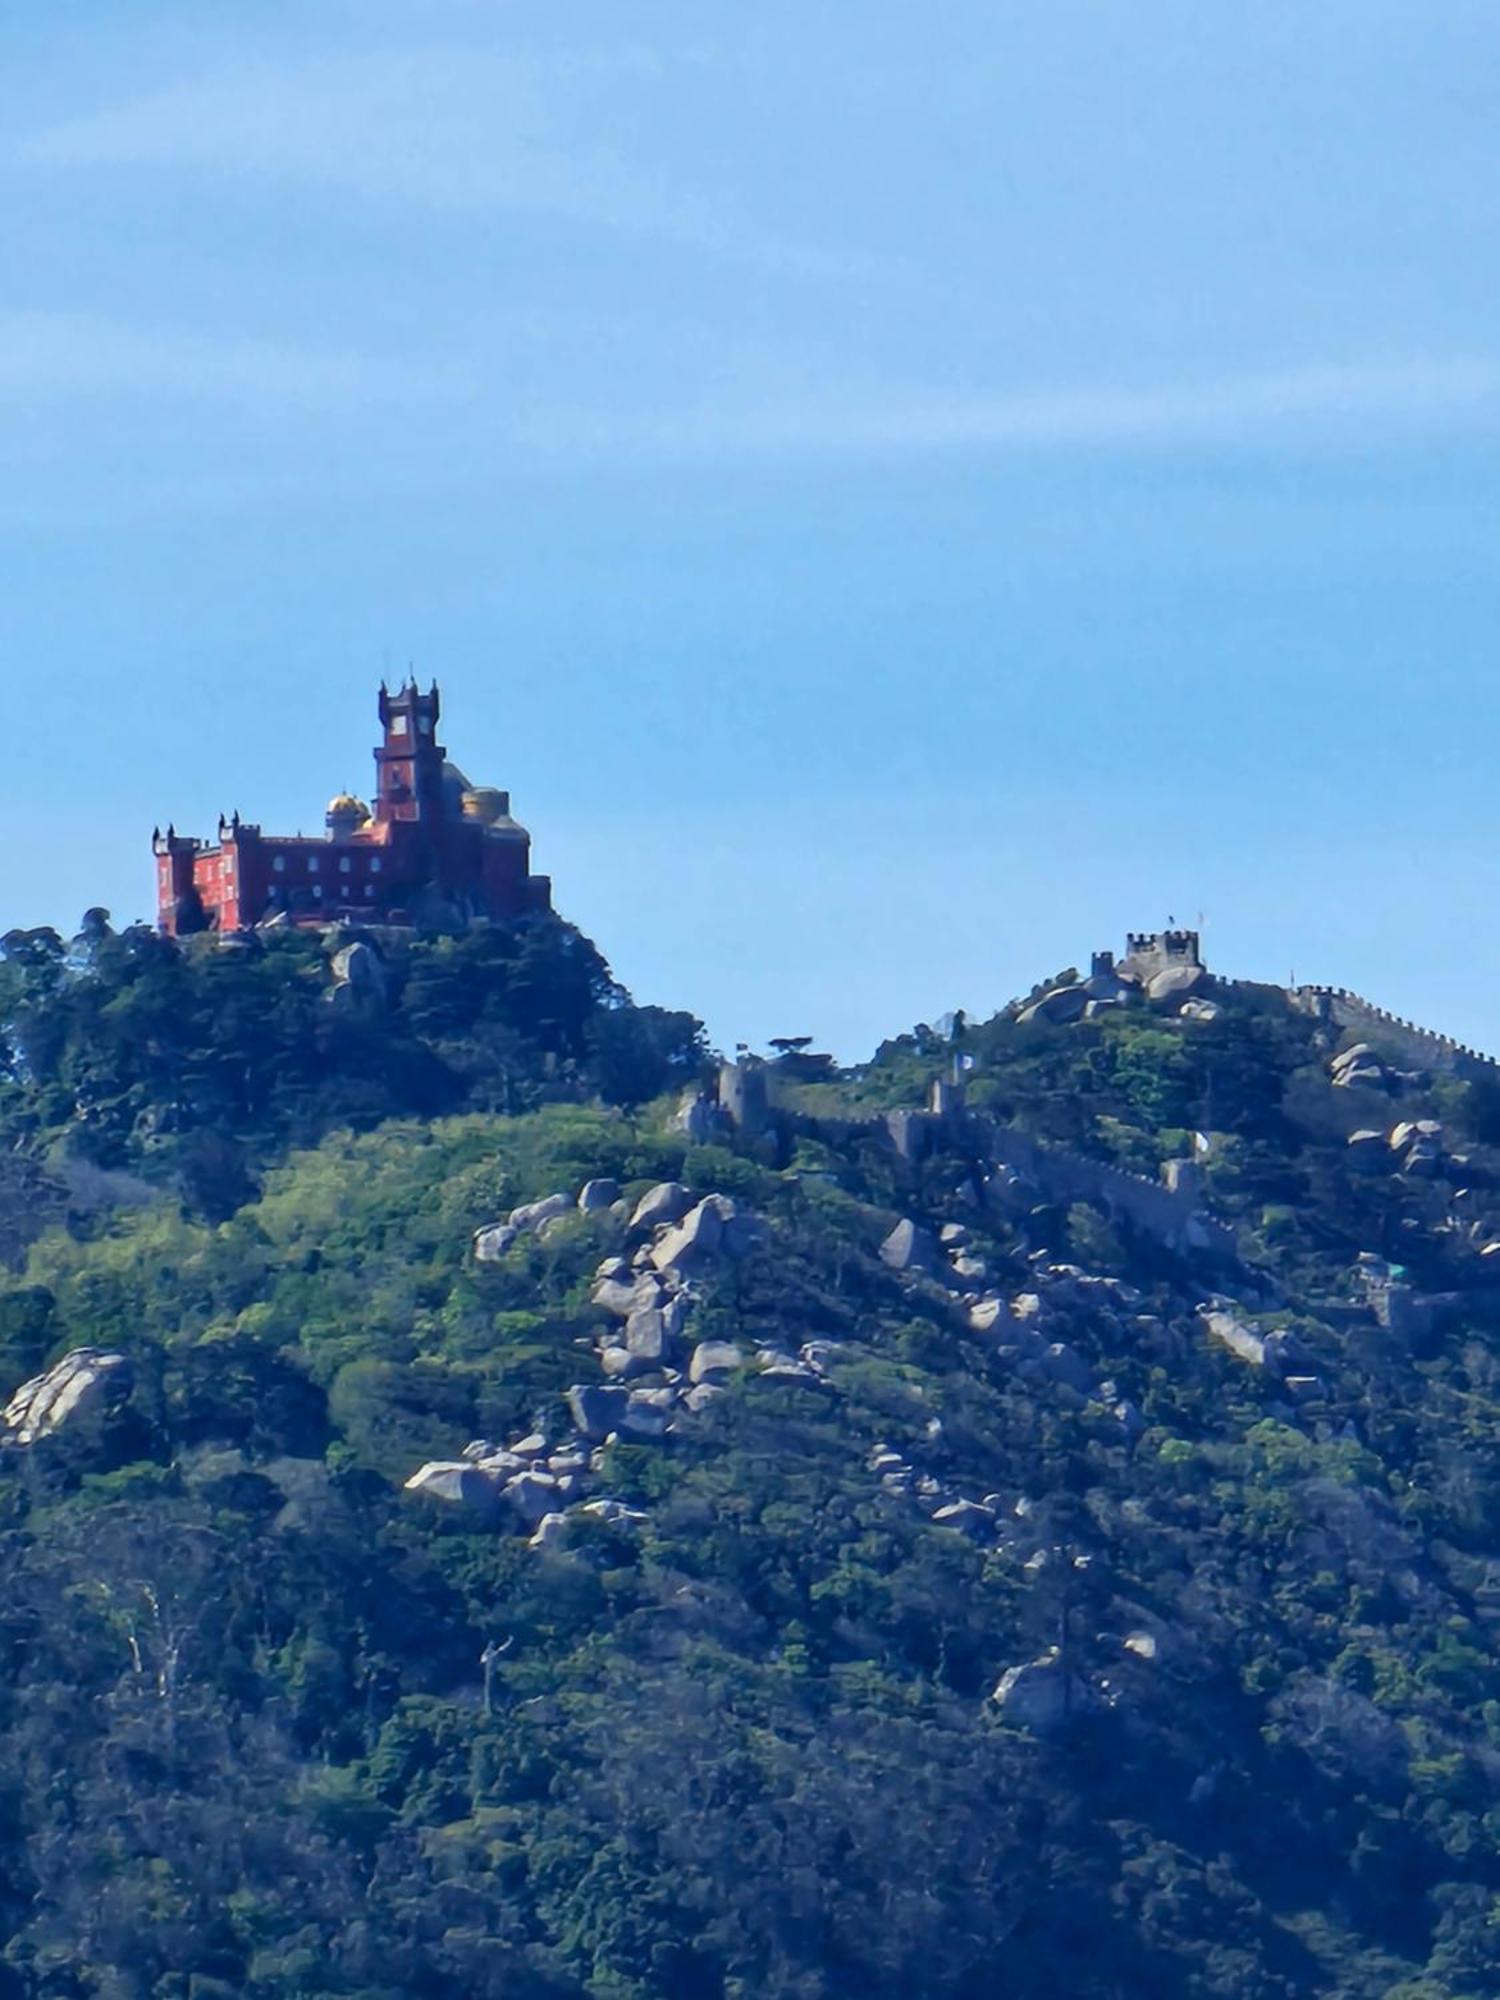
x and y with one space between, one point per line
1150 952
409 763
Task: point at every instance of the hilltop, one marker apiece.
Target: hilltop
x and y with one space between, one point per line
503 1504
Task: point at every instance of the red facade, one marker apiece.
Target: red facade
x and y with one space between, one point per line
433 844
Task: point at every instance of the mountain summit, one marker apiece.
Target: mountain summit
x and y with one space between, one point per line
497 1502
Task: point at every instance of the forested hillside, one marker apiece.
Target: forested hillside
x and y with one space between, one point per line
514 1533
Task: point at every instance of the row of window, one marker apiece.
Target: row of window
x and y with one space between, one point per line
315 862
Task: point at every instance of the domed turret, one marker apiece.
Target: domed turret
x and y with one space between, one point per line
492 810
346 815
484 803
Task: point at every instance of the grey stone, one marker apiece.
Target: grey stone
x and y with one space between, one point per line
359 967
620 1364
89 1383
533 1494
1231 1332
596 1194
953 1236
596 1411
694 1241
551 1531
909 1247
1063 1004
643 1423
491 1244
1174 984
501 1464
645 1334
701 1395
611 1511
456 1483
532 1214
965 1516
973 1270
714 1358
620 1297
1353 1057
1040 1696
668 1201
779 1367
990 1316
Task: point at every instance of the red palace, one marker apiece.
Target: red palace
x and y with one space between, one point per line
434 844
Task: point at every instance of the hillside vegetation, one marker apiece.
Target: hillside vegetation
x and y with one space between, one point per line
1013 1603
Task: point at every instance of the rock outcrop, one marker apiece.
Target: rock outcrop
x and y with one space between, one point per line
87 1385
1041 1695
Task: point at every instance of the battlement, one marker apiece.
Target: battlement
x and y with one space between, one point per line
1177 947
1351 1010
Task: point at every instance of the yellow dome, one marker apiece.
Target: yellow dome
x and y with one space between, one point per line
346 806
484 803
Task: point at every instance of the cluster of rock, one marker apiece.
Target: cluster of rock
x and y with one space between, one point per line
88 1384
1360 1068
544 1218
654 1370
1022 1334
533 1482
1018 1328
1414 1146
1177 989
944 1507
948 1256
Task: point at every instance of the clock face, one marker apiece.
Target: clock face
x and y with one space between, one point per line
398 725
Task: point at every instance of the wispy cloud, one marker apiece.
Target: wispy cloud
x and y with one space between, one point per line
1310 404
48 353
451 129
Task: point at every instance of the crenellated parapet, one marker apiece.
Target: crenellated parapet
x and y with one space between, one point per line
1417 1044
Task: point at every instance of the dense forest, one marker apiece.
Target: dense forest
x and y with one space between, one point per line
871 1573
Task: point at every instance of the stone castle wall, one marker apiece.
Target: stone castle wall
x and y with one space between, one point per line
1421 1046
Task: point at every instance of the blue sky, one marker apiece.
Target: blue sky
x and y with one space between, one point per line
900 494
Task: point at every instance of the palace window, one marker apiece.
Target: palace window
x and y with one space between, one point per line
345 865
374 864
312 864
279 864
